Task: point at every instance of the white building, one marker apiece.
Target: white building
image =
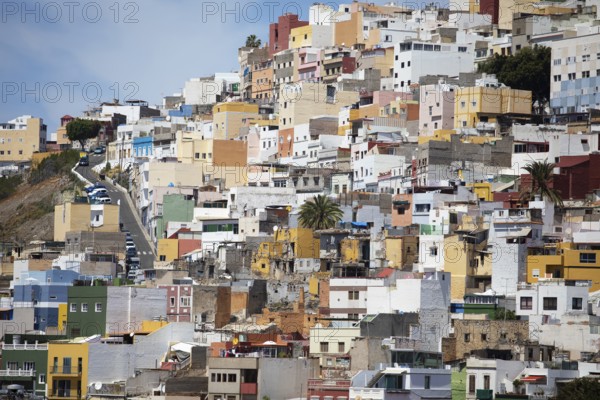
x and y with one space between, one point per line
415 59
211 90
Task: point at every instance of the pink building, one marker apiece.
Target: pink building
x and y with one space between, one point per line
436 109
179 302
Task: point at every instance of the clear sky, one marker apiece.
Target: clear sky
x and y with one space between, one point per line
62 57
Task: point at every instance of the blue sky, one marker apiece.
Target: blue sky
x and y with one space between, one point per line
62 57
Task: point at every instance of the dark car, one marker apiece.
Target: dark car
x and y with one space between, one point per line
84 161
131 252
98 150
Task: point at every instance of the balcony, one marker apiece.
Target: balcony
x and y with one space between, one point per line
65 370
248 388
17 372
64 394
484 394
26 346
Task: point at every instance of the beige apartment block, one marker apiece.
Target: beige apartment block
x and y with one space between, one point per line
228 118
69 217
21 137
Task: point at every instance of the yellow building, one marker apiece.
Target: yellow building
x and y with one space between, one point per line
21 137
223 160
349 32
262 80
67 370
568 263
70 217
484 104
288 245
469 264
62 317
401 251
483 191
228 118
167 249
301 37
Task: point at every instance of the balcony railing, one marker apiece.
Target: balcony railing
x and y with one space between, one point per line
26 346
65 394
65 370
17 372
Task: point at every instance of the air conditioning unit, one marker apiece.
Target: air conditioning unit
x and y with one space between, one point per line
558 229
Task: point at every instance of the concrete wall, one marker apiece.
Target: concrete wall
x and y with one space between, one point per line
296 373
22 322
129 306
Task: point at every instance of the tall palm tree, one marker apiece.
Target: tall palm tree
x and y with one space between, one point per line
252 41
320 213
541 173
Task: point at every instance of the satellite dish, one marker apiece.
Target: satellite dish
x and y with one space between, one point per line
275 228
98 385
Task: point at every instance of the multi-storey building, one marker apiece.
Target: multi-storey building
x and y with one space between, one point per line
21 137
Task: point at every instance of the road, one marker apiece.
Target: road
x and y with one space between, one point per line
128 219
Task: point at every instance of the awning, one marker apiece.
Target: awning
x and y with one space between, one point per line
533 379
360 225
520 233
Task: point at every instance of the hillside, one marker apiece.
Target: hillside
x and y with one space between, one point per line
28 213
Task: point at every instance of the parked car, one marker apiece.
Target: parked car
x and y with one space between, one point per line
98 150
103 200
131 252
84 161
94 186
97 191
129 244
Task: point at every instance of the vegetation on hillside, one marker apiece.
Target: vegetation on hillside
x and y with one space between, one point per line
528 69
579 389
56 164
9 185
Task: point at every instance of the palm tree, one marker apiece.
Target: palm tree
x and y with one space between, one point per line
252 41
320 213
541 173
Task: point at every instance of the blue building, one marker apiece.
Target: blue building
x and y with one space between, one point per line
185 110
143 146
44 290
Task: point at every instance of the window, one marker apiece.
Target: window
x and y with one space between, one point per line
587 258
324 347
42 379
98 307
585 74
550 303
341 347
353 295
73 307
484 337
577 303
486 382
471 383
535 273
467 337
231 378
29 366
353 316
427 384
172 300
526 303
433 251
84 307
185 301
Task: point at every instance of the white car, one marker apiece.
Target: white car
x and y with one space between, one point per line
97 191
103 200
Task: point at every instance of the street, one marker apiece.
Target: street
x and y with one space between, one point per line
126 213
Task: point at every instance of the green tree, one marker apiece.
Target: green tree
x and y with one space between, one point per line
83 129
579 389
320 213
253 41
528 69
541 173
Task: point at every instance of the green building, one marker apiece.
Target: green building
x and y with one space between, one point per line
25 362
86 313
175 207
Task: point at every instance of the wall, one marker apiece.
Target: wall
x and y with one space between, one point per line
127 307
296 373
